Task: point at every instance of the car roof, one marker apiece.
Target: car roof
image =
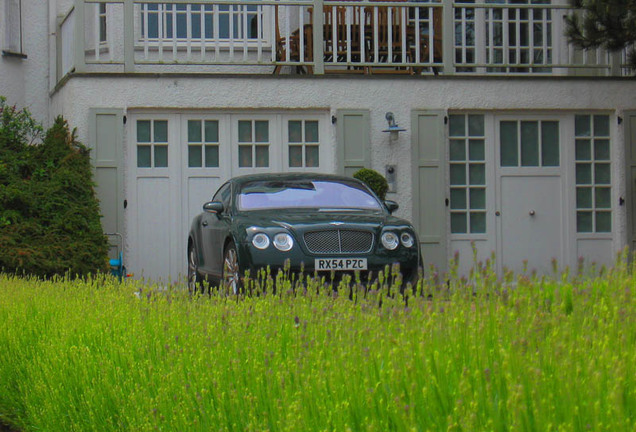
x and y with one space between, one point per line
290 176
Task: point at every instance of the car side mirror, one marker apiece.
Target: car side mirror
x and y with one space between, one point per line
391 205
213 207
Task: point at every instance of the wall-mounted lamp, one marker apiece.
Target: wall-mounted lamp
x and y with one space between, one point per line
393 130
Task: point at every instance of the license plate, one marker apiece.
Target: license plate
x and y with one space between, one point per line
341 264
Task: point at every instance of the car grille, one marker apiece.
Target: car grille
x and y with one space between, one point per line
339 241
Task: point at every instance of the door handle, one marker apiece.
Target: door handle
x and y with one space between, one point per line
204 223
531 212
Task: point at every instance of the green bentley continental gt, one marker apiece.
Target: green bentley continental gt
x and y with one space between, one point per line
316 222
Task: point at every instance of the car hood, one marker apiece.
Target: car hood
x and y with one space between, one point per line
308 221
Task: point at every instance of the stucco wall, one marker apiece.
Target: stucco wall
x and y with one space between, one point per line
25 81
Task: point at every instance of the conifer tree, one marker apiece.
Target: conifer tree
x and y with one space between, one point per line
607 24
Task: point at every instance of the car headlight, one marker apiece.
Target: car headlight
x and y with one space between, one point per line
260 241
283 242
390 240
407 239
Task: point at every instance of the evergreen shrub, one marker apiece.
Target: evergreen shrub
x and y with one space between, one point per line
49 214
374 180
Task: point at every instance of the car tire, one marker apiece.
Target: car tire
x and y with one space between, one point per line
231 270
194 278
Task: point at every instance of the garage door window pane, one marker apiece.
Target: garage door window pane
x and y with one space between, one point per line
295 156
601 125
262 131
457 174
584 198
602 197
458 199
476 150
161 131
477 198
550 154
143 131
211 156
312 156
582 126
161 156
509 155
262 156
601 150
583 149
457 150
245 131
194 131
212 131
603 222
143 156
477 223
457 125
476 125
583 222
529 143
458 223
602 173
245 156
311 131
295 131
194 156
477 174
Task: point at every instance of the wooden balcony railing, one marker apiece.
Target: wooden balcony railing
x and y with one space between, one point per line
324 36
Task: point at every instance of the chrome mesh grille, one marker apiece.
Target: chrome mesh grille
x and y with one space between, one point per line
338 241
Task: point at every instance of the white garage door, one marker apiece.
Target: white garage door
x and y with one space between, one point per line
177 161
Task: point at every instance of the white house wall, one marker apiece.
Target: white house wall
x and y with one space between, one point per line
24 81
401 95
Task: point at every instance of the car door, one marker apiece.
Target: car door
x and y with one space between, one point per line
214 229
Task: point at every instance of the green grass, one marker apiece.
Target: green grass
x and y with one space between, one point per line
522 354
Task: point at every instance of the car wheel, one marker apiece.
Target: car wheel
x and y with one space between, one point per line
231 270
194 280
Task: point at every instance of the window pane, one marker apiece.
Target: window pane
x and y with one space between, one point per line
312 156
602 197
311 131
602 173
194 131
550 143
194 156
509 151
583 198
245 156
211 131
476 125
295 131
601 149
457 127
478 199
478 223
477 174
262 131
262 156
295 156
583 173
458 223
529 144
161 156
582 126
245 131
458 199
143 156
583 150
601 125
583 221
161 131
457 174
476 150
603 222
211 156
457 150
143 130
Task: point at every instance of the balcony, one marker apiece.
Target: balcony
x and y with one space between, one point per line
325 36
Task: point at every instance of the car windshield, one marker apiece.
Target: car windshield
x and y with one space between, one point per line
321 194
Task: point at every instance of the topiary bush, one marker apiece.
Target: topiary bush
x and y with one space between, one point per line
49 214
374 180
